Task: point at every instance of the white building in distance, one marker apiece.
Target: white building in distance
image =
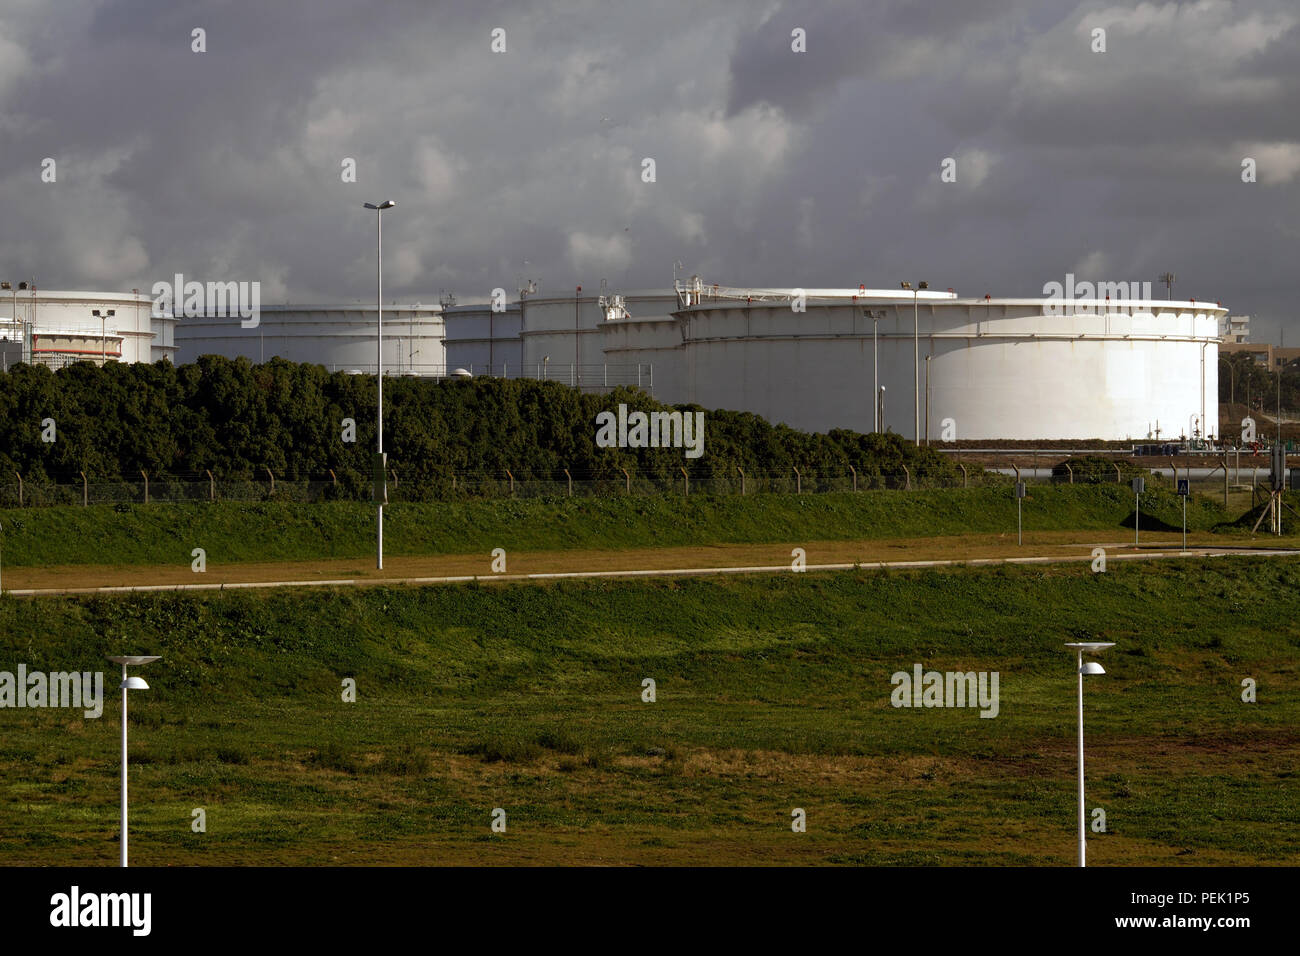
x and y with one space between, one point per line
58 328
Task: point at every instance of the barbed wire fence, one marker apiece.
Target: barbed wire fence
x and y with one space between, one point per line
18 492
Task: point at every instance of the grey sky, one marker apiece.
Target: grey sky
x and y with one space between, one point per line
773 167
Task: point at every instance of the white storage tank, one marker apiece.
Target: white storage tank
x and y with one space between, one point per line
339 337
57 328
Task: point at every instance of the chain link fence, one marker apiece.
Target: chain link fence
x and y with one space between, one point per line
471 485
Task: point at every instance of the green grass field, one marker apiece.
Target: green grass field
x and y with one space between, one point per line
162 534
773 692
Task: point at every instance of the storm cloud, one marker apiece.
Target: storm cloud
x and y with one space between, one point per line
773 167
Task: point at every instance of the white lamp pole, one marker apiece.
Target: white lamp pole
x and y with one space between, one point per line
381 480
916 361
875 362
128 683
1091 667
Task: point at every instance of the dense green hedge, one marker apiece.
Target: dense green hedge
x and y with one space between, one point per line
237 419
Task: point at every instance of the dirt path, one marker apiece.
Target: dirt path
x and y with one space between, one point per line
1049 545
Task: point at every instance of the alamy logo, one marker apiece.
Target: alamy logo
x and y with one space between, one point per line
1115 291
653 430
946 689
59 689
103 909
192 299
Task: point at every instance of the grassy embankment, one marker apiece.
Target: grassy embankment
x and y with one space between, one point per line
773 693
230 533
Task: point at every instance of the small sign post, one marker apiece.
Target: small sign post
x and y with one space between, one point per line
1184 489
1020 493
380 478
1139 486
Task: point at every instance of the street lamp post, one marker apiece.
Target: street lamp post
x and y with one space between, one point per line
1092 667
128 683
1232 385
927 400
8 287
875 366
1202 421
380 472
103 333
916 361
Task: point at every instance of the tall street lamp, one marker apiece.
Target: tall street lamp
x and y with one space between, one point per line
927 400
8 287
916 361
380 470
128 683
1092 667
875 315
103 334
1232 384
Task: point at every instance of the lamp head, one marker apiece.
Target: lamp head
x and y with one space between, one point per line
1092 667
134 683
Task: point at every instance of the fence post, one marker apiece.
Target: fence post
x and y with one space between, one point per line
393 470
742 479
212 486
1225 477
85 491
798 481
570 479
20 488
146 487
963 473
855 477
1069 471
268 471
688 480
908 478
628 479
512 482
1119 479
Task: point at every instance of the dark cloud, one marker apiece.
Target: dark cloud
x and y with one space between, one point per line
811 169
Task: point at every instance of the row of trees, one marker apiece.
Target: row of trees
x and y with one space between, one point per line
235 419
1248 379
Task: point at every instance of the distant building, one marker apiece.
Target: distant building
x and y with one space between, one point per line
58 328
1234 329
1264 355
